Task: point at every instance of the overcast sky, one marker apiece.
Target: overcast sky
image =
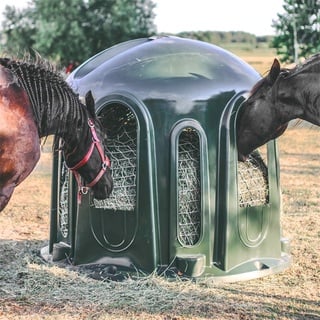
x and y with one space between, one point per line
173 16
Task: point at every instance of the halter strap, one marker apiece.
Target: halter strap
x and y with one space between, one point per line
83 189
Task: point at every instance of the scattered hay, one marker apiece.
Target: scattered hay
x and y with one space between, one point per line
32 289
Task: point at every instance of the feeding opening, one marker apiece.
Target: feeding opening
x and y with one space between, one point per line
253 186
120 125
63 211
189 187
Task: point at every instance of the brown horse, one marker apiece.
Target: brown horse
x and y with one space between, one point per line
36 102
283 95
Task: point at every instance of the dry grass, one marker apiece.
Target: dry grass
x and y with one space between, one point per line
260 59
32 289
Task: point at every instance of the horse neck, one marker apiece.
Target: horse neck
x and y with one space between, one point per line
56 108
57 111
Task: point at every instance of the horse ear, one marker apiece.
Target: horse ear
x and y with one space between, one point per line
90 104
274 71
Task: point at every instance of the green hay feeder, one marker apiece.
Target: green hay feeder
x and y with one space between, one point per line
181 200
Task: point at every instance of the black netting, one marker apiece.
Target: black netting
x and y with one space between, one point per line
63 212
189 187
253 189
121 128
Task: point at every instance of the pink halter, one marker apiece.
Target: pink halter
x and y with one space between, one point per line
83 189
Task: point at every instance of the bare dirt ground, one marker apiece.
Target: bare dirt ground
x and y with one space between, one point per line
32 289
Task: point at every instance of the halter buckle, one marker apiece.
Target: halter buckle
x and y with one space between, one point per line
104 166
83 189
90 123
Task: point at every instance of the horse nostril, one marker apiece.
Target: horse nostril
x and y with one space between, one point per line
242 157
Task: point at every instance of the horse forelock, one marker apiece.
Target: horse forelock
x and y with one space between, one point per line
257 86
264 82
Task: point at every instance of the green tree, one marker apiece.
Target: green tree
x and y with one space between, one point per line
298 30
18 28
59 30
113 21
74 30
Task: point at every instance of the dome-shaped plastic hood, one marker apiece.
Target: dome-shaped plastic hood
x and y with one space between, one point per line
164 67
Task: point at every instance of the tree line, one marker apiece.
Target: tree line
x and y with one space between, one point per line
74 30
224 37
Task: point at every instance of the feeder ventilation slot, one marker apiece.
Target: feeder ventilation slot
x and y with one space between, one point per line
253 188
189 187
63 213
121 129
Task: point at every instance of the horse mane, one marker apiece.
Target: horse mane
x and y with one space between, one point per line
45 87
311 61
311 64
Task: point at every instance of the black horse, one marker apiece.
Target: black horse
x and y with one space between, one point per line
283 95
36 102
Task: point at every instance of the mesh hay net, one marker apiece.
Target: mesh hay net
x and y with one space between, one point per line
121 128
63 212
189 187
253 189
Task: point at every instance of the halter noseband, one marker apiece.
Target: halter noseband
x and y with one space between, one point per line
83 189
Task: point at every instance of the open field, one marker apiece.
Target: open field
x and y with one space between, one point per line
32 289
